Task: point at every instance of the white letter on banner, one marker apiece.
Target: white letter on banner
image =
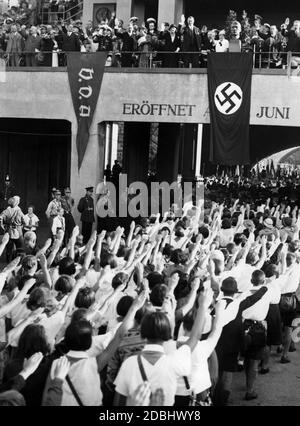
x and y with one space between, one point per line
86 92
85 111
89 73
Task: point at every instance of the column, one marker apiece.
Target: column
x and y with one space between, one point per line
136 151
107 151
87 13
170 11
124 10
168 152
114 143
188 151
92 166
199 150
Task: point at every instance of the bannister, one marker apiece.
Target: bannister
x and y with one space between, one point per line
286 61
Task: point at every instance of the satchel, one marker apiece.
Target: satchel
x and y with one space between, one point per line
255 334
195 401
288 303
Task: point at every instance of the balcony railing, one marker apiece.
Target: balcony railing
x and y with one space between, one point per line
287 61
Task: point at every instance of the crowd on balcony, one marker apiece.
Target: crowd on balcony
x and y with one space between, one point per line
26 41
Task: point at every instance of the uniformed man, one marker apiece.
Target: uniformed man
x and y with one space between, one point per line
53 207
86 208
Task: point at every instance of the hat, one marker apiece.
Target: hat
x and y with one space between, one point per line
133 19
166 24
149 20
89 188
258 17
172 26
267 25
229 285
268 222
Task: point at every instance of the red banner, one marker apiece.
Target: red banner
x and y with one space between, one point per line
85 71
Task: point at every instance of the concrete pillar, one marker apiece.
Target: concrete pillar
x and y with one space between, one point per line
170 11
114 143
92 166
124 10
168 152
87 12
107 150
136 151
199 150
188 151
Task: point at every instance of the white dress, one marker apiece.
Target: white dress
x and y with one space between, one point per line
55 55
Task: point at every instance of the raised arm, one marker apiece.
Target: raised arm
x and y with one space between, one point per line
127 323
18 299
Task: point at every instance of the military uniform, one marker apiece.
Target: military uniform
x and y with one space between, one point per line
86 208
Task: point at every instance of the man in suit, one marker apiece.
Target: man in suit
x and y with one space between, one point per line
86 208
69 40
231 341
14 47
190 41
32 46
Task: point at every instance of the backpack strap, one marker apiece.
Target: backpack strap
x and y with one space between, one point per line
74 392
186 382
141 367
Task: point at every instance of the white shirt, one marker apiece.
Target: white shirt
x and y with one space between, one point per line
276 293
19 312
162 375
226 236
85 378
52 208
100 342
292 279
259 310
199 379
34 221
243 275
222 46
52 325
58 223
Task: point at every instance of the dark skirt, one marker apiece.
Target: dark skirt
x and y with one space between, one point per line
274 331
227 361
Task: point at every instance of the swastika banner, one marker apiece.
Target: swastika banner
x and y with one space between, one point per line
229 90
85 71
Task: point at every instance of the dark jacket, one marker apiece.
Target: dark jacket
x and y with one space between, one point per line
34 386
168 44
86 208
31 43
191 41
70 43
